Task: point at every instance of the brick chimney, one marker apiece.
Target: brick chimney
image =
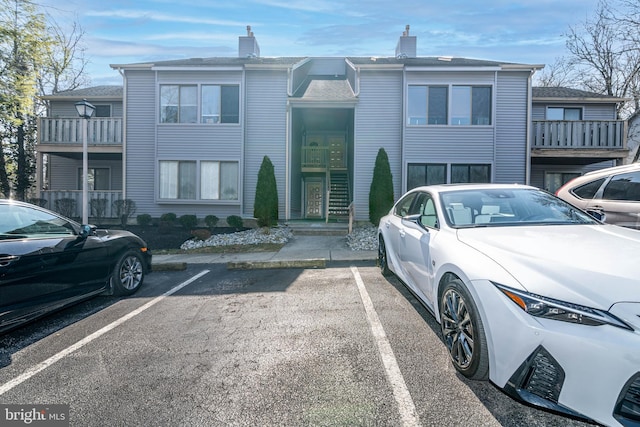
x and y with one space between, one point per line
406 47
248 46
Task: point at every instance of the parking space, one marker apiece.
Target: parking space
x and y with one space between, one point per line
207 346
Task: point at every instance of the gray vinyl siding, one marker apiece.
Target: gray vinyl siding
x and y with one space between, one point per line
265 133
68 108
449 144
63 172
378 124
589 111
140 141
511 127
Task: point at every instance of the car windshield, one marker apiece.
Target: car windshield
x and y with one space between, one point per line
508 207
21 222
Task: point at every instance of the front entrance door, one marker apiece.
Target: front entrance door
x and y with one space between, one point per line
314 199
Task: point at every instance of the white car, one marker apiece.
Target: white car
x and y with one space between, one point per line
530 292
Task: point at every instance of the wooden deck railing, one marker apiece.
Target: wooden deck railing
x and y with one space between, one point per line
579 134
69 203
68 130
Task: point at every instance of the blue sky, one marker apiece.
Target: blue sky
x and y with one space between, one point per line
122 32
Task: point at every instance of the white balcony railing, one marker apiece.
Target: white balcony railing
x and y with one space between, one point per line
68 130
579 134
69 203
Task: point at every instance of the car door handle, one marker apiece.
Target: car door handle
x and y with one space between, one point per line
5 260
387 223
402 233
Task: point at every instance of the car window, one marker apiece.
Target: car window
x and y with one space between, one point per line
623 187
23 222
509 207
588 190
403 206
428 217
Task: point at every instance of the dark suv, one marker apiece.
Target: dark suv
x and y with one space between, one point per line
613 191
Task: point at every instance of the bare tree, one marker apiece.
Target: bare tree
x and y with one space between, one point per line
607 61
560 73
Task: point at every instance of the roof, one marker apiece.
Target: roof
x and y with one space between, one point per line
564 94
94 92
216 62
358 61
325 89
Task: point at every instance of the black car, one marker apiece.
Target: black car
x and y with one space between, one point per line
48 262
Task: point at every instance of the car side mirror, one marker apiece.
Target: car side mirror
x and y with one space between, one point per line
85 231
597 214
413 221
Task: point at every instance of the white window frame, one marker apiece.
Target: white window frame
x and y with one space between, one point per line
203 191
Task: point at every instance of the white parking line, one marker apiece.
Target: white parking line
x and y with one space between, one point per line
67 351
407 409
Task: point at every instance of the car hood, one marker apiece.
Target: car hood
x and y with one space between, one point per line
591 265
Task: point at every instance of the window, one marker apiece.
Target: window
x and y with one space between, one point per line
624 187
563 113
470 174
427 105
218 104
425 174
217 180
471 105
102 111
97 178
554 180
588 191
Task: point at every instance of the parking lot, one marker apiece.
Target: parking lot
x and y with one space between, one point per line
341 346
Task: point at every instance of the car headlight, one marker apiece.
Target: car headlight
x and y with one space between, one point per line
549 308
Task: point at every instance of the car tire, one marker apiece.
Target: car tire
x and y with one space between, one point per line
128 274
383 259
463 331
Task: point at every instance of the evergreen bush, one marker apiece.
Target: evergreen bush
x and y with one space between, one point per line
211 221
143 219
188 221
265 207
235 221
381 191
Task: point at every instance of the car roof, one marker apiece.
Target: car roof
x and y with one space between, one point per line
614 169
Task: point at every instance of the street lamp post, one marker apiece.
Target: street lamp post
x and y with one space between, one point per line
85 110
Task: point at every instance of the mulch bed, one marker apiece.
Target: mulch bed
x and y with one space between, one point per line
169 237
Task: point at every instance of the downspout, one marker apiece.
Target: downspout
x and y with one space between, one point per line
244 145
405 170
287 154
494 113
287 169
528 128
124 133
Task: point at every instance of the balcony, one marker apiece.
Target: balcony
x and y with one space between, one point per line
598 139
65 133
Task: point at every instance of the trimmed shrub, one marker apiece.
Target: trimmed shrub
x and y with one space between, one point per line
98 209
168 218
381 191
38 202
211 221
235 221
124 209
143 219
66 207
265 208
188 221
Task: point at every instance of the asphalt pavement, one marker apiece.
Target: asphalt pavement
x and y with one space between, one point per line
301 251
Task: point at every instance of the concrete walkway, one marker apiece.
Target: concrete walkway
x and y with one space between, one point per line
300 252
